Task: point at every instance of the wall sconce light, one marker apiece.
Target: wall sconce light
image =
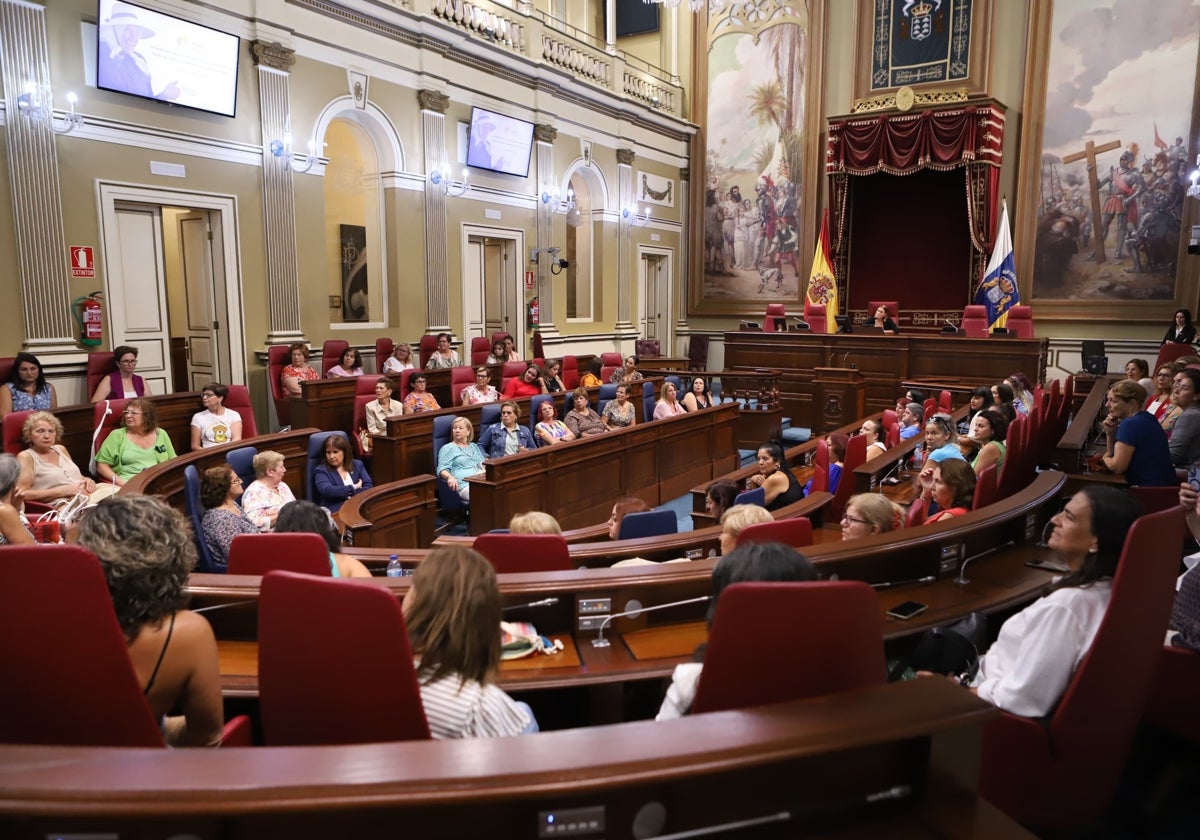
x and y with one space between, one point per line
442 178
563 208
1194 189
282 149
37 104
556 262
636 219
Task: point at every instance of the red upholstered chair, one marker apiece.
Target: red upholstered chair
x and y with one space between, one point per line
570 372
366 383
1170 352
357 652
930 407
856 456
6 367
107 415
238 399
1172 702
774 310
613 359
986 488
496 336
1020 321
360 422
510 553
13 421
331 353
606 372
99 365
893 309
796 532
647 348
384 347
814 314
1077 755
946 402
974 321
510 370
891 427
1154 499
820 475
51 654
461 376
480 350
279 357
539 350
257 554
426 347
831 641
405 376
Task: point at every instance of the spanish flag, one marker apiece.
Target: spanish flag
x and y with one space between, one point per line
822 286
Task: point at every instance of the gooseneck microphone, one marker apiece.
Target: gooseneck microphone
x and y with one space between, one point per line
888 584
895 469
545 602
602 642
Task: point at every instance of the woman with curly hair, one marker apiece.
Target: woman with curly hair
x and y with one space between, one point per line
146 550
139 444
12 528
453 615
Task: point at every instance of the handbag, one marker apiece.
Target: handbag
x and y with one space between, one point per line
364 439
946 650
519 639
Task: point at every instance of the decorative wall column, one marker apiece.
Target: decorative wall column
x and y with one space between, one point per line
625 249
274 62
610 27
36 194
434 105
685 263
545 136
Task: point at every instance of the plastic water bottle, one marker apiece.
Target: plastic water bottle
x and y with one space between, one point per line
394 569
917 457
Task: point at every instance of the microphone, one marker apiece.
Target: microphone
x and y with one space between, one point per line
962 580
888 584
637 609
1042 543
949 327
222 606
887 477
545 602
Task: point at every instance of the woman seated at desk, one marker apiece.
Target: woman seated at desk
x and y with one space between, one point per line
952 485
418 398
340 477
619 413
508 437
622 507
980 399
138 445
1185 436
582 419
667 405
47 472
988 430
719 498
754 562
382 407
223 520
628 372
27 388
529 384
837 443
267 494
453 613
1165 411
216 424
591 379
400 360
870 513
295 373
481 390
349 365
779 485
146 551
1027 669
123 383
884 321
460 458
698 396
1135 445
549 429
875 433
499 353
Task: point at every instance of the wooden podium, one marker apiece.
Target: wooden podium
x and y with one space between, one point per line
840 397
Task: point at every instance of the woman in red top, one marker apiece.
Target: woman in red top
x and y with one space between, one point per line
528 384
952 486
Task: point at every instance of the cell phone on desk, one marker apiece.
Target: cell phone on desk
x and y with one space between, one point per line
1048 565
907 610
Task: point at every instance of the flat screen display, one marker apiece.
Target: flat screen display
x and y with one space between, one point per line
499 143
145 53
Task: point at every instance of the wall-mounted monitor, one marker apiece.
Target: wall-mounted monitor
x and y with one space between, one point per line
145 53
499 143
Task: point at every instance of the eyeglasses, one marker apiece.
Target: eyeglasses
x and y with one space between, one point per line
848 518
132 412
481 375
130 361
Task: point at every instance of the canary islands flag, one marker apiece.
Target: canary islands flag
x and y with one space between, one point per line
822 286
998 290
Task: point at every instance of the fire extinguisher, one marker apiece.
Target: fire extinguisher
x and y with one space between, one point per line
90 316
532 312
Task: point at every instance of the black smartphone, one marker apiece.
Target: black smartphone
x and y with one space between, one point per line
907 610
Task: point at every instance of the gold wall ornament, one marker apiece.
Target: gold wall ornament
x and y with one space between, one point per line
544 133
905 99
626 156
274 55
433 100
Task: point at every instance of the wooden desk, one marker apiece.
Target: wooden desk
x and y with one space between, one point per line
922 738
578 481
1072 446
883 360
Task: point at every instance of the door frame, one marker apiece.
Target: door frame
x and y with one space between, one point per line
110 193
667 340
515 296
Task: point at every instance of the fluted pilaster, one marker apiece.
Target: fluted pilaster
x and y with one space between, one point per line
545 136
279 199
625 249
433 125
36 194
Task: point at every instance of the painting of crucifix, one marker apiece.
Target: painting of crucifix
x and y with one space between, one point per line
1114 159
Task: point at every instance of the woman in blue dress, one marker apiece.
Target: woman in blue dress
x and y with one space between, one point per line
27 388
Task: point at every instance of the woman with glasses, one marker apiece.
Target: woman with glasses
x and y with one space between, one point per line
549 429
418 398
870 513
223 520
140 444
400 360
508 437
216 424
1161 406
122 383
298 371
482 391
